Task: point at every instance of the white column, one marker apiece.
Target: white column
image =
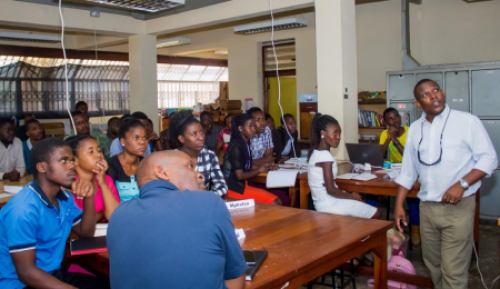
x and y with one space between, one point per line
337 66
143 76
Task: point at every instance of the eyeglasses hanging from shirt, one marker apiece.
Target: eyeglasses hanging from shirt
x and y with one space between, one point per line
440 144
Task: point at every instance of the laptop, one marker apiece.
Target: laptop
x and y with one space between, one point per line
365 153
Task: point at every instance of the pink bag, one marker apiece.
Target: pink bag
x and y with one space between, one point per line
398 263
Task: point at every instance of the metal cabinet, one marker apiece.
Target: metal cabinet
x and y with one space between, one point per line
457 90
492 126
436 76
408 110
400 86
490 196
486 92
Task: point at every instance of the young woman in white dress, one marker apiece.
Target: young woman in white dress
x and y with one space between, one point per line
327 197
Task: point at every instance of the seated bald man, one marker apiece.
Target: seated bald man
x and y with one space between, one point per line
174 235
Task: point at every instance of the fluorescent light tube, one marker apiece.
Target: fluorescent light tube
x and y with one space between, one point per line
265 26
22 36
169 42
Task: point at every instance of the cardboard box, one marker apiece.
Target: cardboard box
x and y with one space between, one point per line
214 106
225 113
230 104
224 90
216 115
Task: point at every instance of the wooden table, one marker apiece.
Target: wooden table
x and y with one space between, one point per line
380 186
22 182
302 245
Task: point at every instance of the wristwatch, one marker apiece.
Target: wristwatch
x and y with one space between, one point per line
464 184
396 142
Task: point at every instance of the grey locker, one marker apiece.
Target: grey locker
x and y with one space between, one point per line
457 90
436 76
490 196
492 126
486 92
407 110
400 86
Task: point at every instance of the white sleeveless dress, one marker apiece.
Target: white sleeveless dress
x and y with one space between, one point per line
324 202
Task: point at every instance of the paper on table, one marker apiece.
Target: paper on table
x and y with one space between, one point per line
365 177
101 230
12 189
359 177
281 178
347 176
6 195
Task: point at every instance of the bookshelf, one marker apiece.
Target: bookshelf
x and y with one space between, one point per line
377 105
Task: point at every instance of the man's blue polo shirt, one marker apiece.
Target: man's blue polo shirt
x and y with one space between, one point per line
29 221
168 238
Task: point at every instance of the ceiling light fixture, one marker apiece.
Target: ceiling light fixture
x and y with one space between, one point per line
142 5
265 26
221 52
22 36
169 42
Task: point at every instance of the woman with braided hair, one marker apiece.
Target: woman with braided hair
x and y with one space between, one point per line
327 197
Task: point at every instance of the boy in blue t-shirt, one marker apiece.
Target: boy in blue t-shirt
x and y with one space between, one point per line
35 224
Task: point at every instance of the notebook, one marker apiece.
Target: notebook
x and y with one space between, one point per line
88 246
359 177
281 178
254 259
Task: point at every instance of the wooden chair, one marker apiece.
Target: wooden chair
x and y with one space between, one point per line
54 129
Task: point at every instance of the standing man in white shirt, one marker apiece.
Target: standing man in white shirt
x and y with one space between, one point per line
12 165
449 152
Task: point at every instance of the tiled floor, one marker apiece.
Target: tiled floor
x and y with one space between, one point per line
488 261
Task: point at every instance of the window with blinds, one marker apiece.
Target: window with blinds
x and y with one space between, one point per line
37 85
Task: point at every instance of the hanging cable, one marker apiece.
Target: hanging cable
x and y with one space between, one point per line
278 78
66 68
479 270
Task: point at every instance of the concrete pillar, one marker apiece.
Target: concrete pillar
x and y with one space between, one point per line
337 66
143 76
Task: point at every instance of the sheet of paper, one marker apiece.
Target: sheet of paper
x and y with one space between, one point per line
240 234
365 177
12 189
5 195
281 178
101 230
392 175
347 176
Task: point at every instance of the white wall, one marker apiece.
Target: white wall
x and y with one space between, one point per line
442 32
244 59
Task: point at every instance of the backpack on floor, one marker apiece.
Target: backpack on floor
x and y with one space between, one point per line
400 264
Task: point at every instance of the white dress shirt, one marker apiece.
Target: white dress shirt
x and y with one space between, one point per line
11 158
465 146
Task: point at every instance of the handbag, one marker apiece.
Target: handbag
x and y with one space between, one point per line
398 263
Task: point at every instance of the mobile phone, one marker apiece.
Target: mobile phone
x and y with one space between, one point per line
249 257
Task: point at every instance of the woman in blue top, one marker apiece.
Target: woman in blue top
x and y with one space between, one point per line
123 166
